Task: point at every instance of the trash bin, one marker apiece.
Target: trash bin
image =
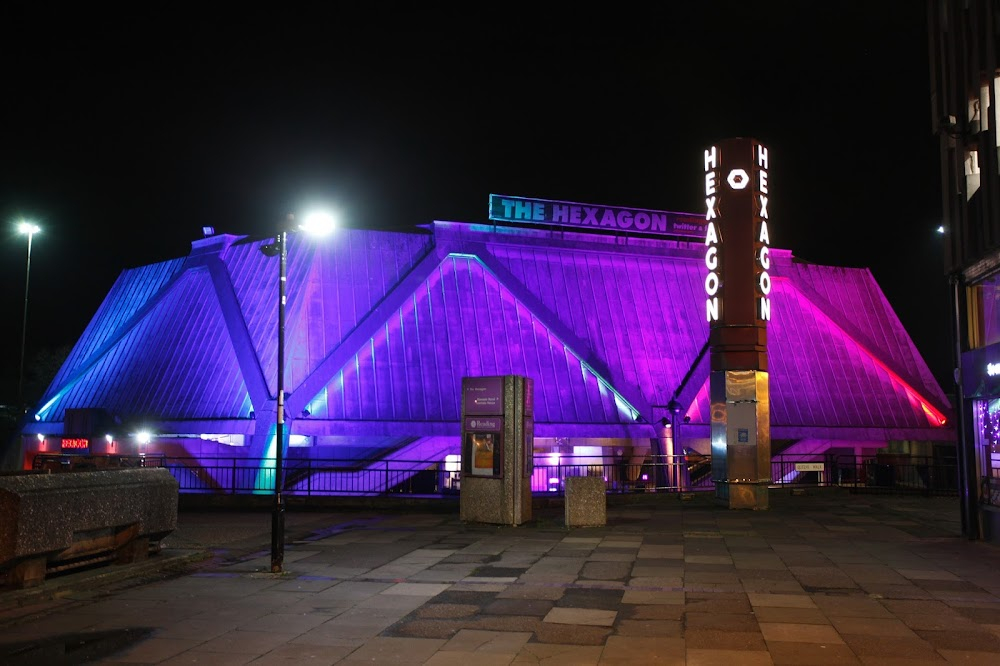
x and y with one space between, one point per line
885 475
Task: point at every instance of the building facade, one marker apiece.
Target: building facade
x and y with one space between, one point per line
964 78
382 326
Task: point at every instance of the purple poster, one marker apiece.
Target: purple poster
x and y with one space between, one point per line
483 395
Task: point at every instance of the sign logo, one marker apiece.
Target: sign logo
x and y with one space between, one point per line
588 216
738 179
713 285
762 245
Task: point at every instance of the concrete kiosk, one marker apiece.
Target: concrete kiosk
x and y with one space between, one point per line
497 449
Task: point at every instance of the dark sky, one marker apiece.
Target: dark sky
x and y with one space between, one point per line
123 135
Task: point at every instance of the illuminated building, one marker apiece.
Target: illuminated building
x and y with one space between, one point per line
608 319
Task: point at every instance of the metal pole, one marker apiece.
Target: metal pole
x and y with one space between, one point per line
672 467
278 512
24 328
674 408
968 468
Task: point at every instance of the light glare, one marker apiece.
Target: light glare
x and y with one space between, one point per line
28 228
318 223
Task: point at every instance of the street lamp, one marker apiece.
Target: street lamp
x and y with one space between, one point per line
318 223
30 229
674 408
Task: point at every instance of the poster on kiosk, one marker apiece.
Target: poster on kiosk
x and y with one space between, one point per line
496 449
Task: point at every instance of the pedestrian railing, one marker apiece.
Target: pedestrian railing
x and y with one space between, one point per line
653 474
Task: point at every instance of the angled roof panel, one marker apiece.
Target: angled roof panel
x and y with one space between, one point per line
132 291
641 315
176 363
459 323
863 374
853 300
819 376
332 284
603 324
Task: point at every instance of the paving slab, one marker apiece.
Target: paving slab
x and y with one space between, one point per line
825 578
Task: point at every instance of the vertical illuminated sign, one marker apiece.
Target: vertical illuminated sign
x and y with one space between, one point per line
712 282
736 216
762 242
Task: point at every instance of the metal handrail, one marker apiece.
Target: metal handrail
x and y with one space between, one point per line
654 474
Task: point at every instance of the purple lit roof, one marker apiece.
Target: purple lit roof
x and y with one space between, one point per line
382 326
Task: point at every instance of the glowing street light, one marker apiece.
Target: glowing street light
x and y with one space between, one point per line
29 229
143 438
317 224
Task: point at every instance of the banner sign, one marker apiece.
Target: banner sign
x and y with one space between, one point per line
482 395
588 216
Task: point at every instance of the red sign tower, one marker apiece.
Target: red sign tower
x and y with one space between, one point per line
738 307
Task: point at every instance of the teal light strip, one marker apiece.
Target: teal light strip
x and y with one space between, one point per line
264 482
620 400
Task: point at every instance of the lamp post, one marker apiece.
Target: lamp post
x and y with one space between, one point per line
31 230
676 464
318 223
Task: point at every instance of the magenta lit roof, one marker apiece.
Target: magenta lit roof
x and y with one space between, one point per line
382 326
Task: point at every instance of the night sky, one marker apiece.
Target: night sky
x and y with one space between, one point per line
123 135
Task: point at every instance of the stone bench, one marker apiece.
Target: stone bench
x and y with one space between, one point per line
586 502
56 522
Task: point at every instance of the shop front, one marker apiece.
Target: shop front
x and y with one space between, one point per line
981 388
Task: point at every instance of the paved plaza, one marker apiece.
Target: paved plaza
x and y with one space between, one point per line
824 578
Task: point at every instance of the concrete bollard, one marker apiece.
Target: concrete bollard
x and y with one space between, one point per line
586 503
54 522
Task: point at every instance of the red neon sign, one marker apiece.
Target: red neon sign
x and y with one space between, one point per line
75 443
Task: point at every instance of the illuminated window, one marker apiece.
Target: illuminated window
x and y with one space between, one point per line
996 113
996 107
988 436
483 445
984 313
979 118
972 175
